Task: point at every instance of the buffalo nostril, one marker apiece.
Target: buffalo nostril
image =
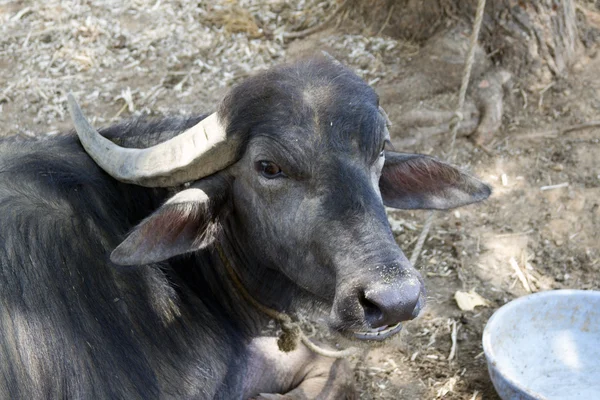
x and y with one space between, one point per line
390 304
373 314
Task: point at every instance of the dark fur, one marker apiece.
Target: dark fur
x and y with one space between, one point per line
74 325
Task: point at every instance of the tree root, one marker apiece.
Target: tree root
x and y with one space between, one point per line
488 95
427 90
482 113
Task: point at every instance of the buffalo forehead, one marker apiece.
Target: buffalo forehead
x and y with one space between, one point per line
316 101
327 122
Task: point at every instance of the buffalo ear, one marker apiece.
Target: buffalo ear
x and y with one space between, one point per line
415 181
185 223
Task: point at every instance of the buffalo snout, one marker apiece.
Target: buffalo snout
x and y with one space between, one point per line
388 304
375 305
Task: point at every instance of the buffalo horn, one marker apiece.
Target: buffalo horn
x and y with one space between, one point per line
198 152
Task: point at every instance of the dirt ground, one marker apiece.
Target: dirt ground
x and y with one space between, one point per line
153 57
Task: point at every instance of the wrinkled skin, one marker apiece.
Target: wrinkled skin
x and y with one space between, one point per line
304 207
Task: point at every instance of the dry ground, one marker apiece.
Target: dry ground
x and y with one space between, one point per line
152 57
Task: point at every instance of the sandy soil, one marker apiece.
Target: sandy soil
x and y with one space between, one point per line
147 57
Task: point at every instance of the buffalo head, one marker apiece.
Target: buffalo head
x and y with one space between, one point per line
293 172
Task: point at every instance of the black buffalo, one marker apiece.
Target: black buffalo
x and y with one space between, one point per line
112 275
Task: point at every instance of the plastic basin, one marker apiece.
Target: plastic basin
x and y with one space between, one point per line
546 346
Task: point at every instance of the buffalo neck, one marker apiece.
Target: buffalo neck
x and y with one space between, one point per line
228 259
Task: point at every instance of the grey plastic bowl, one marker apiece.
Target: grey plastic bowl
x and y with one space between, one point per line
546 346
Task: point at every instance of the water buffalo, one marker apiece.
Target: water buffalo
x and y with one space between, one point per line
113 277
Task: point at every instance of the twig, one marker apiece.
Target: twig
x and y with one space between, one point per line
458 117
512 234
4 94
318 27
21 13
387 20
417 250
545 89
524 98
467 73
585 125
453 336
520 275
483 148
119 112
558 132
557 186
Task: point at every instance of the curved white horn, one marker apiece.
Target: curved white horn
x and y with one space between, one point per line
198 152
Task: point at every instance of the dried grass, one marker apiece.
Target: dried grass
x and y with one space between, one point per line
167 56
176 55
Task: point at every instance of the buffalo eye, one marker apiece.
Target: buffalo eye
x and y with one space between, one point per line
268 169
